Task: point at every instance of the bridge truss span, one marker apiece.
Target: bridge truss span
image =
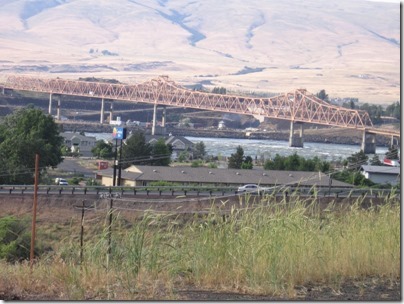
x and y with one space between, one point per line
298 105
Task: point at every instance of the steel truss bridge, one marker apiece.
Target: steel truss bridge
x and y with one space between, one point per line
296 106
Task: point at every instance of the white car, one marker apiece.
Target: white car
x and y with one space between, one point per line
61 181
249 188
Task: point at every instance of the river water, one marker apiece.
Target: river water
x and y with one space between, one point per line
269 148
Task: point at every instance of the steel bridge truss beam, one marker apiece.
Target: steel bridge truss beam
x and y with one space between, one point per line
299 106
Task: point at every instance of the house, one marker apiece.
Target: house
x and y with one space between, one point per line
144 175
79 143
381 174
178 143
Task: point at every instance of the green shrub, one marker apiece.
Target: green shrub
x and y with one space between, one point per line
15 240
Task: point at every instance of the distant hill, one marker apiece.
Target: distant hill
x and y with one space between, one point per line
350 48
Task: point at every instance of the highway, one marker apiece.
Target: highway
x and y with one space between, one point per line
183 191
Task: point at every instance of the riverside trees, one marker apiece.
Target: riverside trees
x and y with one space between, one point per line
137 151
238 161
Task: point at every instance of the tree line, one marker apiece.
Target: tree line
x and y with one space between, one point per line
375 111
349 174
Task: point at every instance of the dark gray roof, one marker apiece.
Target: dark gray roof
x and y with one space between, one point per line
167 139
381 169
171 139
228 176
70 135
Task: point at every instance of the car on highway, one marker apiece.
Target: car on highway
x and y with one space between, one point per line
249 188
61 181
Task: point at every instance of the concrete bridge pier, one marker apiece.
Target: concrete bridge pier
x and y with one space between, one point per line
102 111
50 104
368 143
153 132
111 111
163 121
296 140
58 108
163 118
394 143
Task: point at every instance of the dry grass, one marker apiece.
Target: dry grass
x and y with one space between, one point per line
268 250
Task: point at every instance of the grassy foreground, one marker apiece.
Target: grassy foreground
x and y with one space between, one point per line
267 249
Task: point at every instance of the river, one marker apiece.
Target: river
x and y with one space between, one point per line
269 148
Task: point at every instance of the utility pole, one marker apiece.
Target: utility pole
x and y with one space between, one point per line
31 256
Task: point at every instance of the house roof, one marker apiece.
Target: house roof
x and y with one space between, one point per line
69 136
227 176
167 139
381 169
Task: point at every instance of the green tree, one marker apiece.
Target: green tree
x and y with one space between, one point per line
374 112
394 110
277 163
236 159
103 149
200 150
160 153
375 161
322 95
136 150
292 162
219 90
392 153
356 160
26 132
247 163
183 156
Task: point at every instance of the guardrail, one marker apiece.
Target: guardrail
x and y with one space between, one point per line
120 191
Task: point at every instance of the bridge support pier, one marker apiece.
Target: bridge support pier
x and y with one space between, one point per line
163 122
154 119
111 111
102 111
50 104
394 143
368 143
163 118
296 140
58 108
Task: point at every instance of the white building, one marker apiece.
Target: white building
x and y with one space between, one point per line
382 174
79 143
